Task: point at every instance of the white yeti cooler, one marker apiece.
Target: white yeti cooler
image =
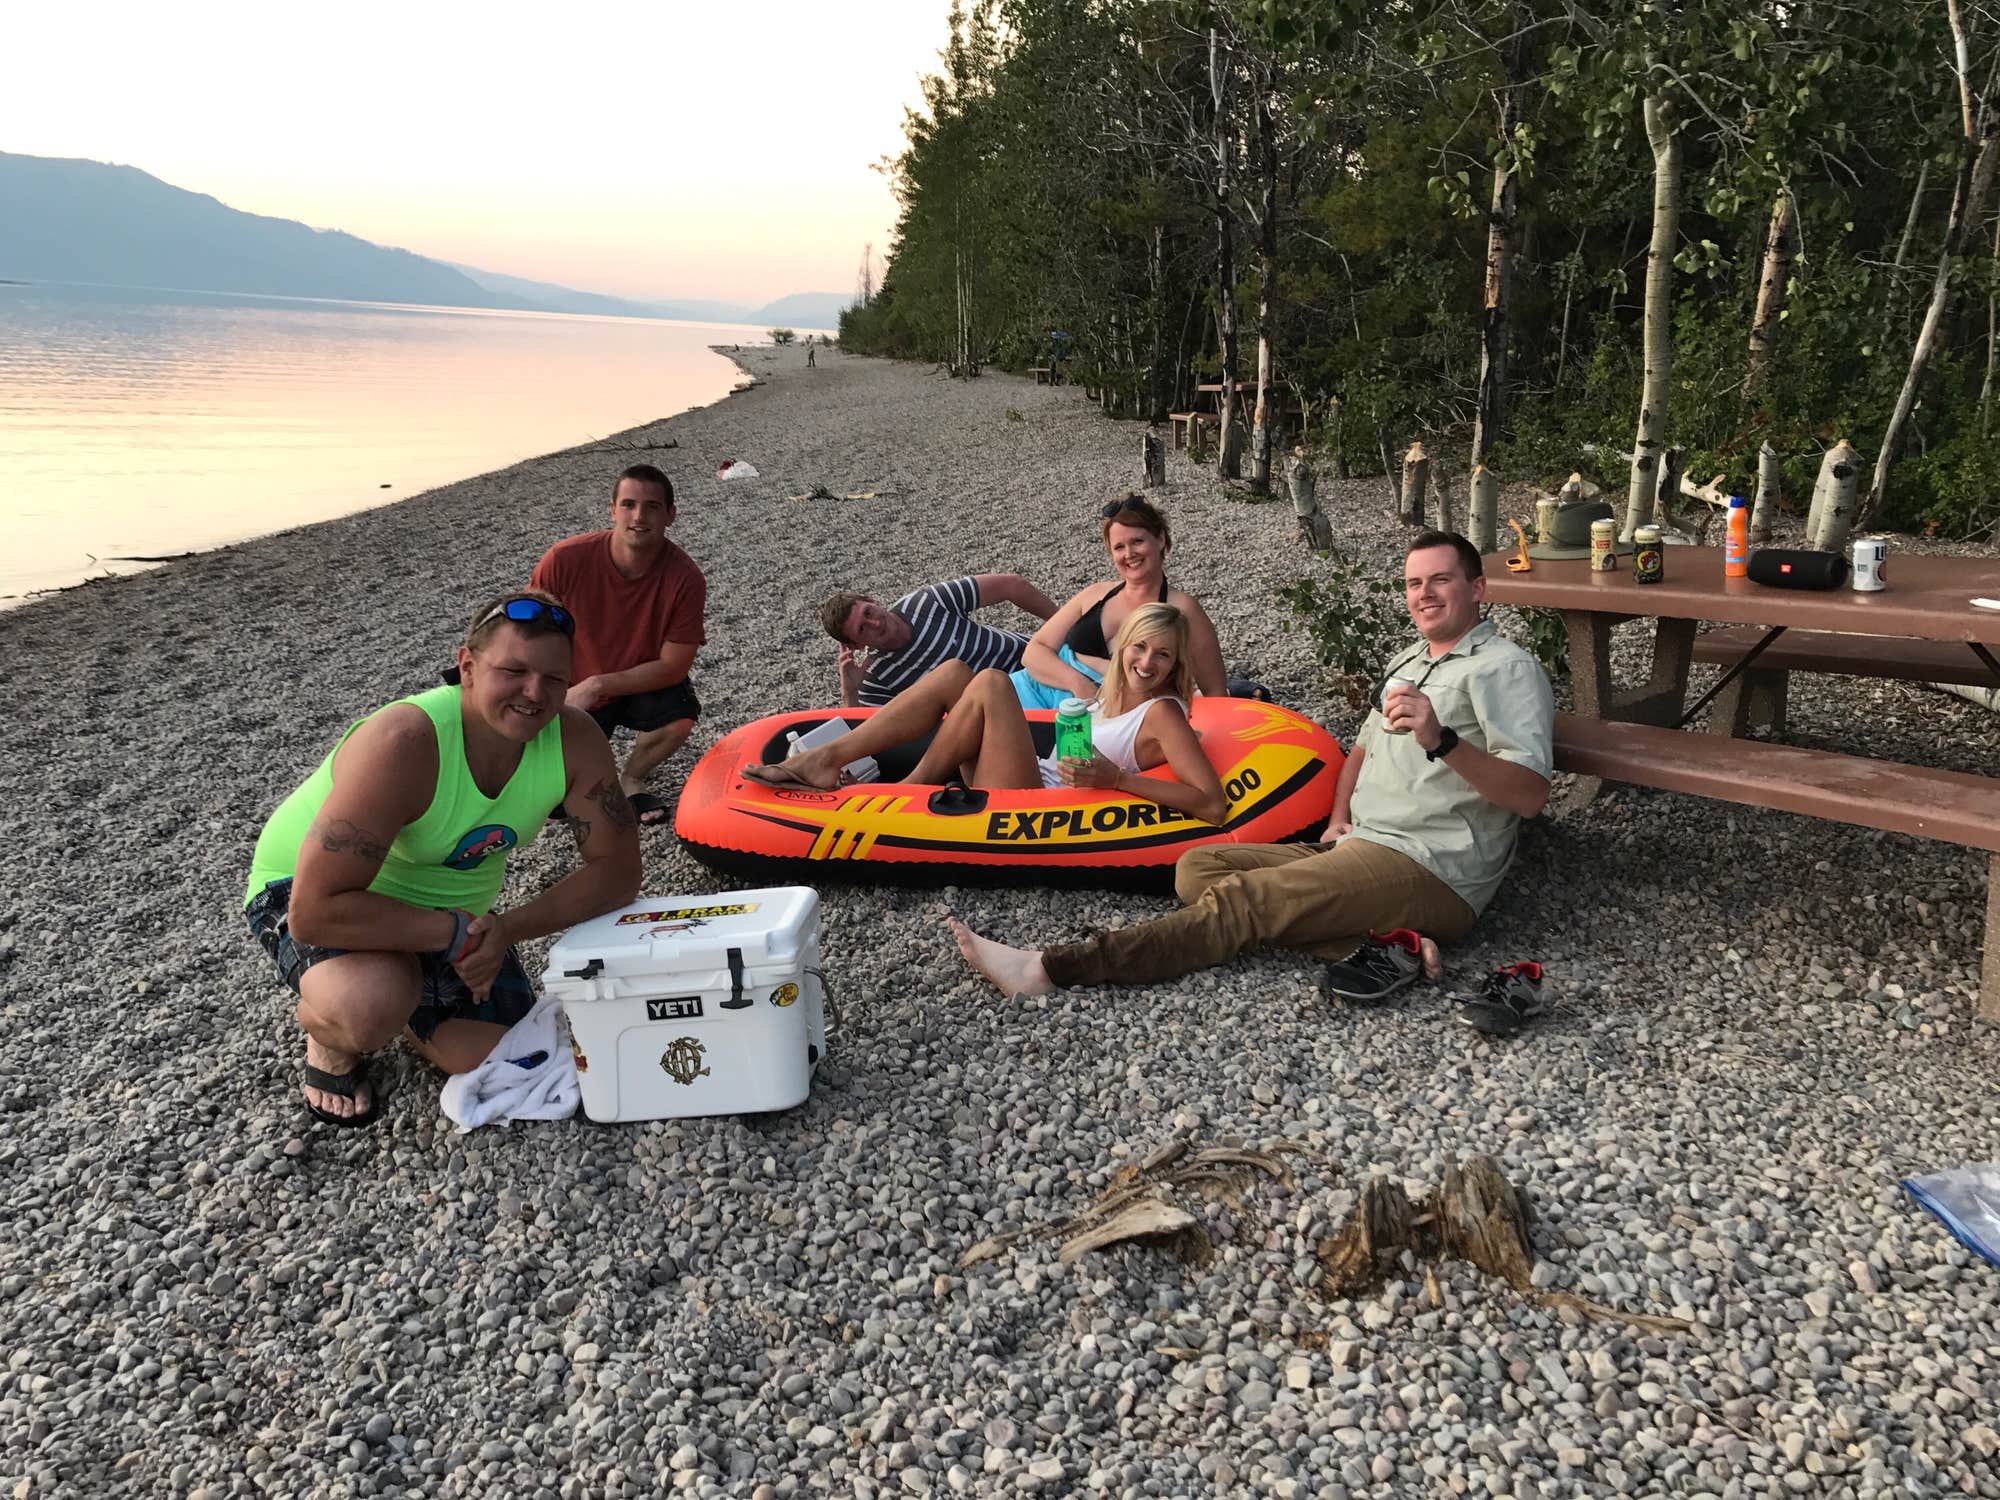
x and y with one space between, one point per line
694 1005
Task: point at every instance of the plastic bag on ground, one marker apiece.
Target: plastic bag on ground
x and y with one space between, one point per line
735 468
1967 1200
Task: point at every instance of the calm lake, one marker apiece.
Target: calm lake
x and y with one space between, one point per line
144 423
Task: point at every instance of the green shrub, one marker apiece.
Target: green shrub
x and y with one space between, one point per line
1356 621
782 336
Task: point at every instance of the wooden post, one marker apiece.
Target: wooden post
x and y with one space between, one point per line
1416 478
1153 458
1483 501
1770 479
1389 470
1447 512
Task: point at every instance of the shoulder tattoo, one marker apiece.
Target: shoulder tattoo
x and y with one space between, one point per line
616 806
342 837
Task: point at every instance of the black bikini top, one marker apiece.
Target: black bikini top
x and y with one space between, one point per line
1086 636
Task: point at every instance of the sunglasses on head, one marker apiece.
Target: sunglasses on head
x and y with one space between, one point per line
1115 506
521 611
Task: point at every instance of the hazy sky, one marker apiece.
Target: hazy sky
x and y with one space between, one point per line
666 149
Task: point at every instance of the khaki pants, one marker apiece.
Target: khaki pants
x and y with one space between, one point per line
1324 898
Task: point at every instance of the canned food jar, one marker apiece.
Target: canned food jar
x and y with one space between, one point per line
1649 562
1603 546
1073 730
1868 557
1545 522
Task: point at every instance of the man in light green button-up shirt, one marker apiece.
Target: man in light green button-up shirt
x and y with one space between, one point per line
1458 750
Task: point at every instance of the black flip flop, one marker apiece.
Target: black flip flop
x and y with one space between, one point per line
343 1084
1244 687
644 803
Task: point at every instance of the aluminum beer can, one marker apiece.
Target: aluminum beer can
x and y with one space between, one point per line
1868 557
1073 730
1604 546
1545 522
1649 562
1388 687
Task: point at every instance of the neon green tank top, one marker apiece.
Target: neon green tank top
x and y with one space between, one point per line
456 853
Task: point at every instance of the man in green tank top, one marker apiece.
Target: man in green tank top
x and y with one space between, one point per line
373 884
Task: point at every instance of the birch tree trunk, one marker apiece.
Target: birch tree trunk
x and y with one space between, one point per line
1389 471
1771 290
1893 294
1230 465
1416 476
1992 341
1483 505
1663 135
1267 289
1832 513
1491 416
1968 205
1770 479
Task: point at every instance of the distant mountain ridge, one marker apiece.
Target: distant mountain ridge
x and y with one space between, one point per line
68 219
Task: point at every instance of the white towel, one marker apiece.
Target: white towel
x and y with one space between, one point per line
512 1084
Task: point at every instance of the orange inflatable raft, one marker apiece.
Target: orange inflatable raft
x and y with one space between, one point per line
1278 771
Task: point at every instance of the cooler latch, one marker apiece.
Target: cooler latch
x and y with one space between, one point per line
738 998
589 971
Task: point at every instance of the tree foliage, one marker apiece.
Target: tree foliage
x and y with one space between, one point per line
1062 177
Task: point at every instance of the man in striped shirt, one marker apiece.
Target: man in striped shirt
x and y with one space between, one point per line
883 649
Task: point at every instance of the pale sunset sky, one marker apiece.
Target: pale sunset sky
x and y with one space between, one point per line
718 151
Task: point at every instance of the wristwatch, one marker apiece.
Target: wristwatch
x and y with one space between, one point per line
1447 742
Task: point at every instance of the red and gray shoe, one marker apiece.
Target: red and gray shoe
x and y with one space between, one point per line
1510 999
1385 963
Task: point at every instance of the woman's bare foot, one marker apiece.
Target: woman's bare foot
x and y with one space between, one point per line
1011 971
800 770
338 1063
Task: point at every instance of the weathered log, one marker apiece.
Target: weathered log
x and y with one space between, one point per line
1416 480
1153 458
1476 1215
1483 507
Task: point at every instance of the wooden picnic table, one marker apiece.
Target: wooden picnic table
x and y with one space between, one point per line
1928 598
1637 734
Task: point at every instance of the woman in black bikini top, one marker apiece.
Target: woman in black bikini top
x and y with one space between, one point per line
1072 648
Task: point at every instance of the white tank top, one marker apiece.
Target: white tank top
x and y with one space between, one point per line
1115 738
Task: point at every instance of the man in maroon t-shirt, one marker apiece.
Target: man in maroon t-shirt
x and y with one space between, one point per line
638 600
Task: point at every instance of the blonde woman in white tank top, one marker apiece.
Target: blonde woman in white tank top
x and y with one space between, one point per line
1139 720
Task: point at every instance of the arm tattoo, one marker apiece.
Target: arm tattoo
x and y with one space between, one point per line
579 829
343 837
610 796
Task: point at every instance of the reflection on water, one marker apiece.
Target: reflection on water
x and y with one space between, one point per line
150 423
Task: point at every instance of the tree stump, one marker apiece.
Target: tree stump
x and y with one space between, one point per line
1770 481
1315 530
1832 513
1153 458
1483 503
1416 479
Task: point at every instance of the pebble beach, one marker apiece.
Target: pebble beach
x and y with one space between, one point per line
1762 1022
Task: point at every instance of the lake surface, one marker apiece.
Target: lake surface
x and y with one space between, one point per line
143 424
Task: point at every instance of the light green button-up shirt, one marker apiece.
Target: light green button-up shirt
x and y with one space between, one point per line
1497 697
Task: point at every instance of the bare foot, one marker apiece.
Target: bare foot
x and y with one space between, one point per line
329 1061
800 770
1011 971
1433 963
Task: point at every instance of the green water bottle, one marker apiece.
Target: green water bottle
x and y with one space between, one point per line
1073 730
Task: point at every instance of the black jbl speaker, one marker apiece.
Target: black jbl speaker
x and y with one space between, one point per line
1796 568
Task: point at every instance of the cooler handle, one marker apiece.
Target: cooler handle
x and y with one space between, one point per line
738 999
830 1006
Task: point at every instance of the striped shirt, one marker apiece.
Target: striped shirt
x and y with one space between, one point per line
941 628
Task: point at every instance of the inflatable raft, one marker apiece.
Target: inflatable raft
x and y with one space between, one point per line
1278 771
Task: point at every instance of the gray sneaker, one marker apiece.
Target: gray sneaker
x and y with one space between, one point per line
1510 999
1385 963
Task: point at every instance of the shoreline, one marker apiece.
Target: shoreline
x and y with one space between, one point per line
1747 1050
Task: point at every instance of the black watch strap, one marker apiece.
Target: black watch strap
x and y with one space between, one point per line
1447 742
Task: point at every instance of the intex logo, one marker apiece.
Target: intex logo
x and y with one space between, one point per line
822 798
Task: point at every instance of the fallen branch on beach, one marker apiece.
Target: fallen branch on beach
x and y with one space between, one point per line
599 445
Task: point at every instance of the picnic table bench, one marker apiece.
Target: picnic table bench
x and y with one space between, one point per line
1045 374
1924 627
1758 694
